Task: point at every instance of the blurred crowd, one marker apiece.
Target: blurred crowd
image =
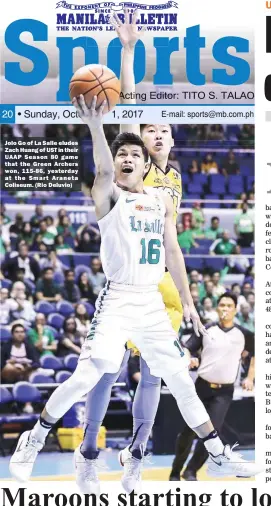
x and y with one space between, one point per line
221 242
51 272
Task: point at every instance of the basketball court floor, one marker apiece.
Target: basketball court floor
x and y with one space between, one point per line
59 466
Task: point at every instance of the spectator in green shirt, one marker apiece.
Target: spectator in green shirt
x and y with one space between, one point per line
27 234
246 288
197 231
246 136
185 238
214 231
207 290
4 246
219 288
48 237
251 302
244 226
6 219
245 318
50 225
198 216
62 248
65 228
41 337
223 246
37 217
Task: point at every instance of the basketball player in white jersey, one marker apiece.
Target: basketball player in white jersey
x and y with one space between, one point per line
138 237
158 141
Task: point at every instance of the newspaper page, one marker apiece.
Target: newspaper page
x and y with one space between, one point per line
133 359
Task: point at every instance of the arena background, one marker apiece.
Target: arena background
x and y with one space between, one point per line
60 231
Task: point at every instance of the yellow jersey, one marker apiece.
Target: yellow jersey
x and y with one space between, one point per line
169 181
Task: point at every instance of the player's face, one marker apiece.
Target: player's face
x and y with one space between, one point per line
226 310
158 140
129 166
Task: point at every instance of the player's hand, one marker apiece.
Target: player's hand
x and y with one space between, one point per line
128 32
248 384
190 313
92 116
194 363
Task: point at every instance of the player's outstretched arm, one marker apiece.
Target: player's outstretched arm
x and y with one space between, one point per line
104 189
176 266
129 35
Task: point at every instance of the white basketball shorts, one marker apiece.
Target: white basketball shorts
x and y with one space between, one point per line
125 312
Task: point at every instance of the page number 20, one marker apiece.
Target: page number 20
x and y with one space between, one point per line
7 114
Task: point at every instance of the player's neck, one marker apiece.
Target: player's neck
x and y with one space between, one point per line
138 188
162 163
226 325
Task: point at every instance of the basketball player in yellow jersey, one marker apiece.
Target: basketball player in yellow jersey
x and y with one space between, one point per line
158 141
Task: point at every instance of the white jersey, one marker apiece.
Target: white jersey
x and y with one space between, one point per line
132 239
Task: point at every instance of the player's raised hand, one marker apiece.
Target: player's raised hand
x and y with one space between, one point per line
128 32
92 115
190 313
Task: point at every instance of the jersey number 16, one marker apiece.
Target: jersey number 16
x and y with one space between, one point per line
150 251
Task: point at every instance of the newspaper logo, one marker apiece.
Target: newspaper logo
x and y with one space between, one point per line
96 16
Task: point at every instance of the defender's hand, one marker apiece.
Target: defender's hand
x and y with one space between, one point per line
194 363
248 384
128 32
190 313
91 116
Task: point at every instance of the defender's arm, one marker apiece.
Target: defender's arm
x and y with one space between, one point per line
129 35
176 266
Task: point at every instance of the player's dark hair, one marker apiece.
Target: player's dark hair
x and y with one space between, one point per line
15 326
228 295
214 218
128 138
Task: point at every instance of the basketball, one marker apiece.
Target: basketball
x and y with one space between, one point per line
98 80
